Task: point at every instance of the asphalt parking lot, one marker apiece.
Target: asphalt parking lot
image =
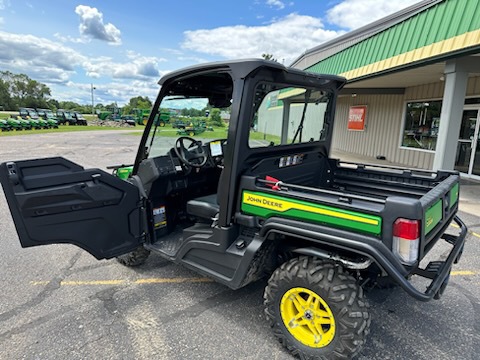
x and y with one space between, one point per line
58 302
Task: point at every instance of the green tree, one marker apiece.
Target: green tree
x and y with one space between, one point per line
215 118
24 91
138 102
5 98
53 104
68 105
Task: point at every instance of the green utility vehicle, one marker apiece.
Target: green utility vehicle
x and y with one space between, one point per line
65 117
79 118
238 209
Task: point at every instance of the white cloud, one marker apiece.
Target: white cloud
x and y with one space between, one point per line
137 67
51 62
276 3
352 14
105 92
92 26
40 58
286 38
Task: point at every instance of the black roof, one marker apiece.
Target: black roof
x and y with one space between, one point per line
242 68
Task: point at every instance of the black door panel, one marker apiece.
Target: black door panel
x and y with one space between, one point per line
56 201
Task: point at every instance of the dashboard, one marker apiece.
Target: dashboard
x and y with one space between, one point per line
170 167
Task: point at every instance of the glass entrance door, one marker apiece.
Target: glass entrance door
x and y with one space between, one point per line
467 159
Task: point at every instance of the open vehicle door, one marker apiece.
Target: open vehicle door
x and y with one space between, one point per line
54 201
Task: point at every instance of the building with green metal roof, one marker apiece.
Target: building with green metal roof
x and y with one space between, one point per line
416 76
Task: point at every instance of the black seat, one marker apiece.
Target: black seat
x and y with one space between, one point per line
205 207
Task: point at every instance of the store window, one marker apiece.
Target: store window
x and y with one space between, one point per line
422 120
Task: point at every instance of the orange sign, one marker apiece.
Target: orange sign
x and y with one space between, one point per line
356 117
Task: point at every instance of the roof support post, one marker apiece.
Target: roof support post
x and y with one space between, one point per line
456 78
285 120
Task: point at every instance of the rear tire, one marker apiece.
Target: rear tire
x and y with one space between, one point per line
134 258
316 309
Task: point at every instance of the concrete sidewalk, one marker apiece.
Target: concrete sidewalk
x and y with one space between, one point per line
469 189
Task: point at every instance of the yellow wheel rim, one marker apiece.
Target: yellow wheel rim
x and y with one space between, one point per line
307 317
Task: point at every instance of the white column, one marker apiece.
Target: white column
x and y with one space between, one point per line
451 116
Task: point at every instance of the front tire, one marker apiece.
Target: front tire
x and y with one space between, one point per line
316 309
134 258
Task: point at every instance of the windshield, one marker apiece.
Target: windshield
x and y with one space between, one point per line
180 116
287 115
197 107
33 114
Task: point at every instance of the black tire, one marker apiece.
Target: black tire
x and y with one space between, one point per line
350 318
134 258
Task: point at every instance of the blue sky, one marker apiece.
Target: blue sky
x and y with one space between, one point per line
124 47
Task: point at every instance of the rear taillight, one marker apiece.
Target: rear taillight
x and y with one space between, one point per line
406 239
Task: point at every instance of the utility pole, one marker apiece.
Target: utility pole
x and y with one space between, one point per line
93 104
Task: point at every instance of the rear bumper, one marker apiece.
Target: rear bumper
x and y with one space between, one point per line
438 271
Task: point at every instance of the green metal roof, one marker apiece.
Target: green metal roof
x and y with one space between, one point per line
446 24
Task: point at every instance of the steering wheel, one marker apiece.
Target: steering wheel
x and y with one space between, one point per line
193 155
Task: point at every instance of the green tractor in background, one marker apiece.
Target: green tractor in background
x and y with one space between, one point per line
4 125
112 113
17 123
30 115
162 118
141 115
194 127
109 115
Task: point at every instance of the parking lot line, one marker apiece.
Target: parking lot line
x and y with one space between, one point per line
125 282
175 280
463 272
172 280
